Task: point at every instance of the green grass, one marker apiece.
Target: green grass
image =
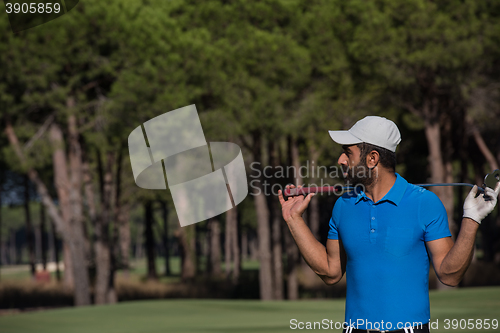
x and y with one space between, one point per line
233 316
15 272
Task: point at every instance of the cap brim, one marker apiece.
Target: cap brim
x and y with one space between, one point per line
344 137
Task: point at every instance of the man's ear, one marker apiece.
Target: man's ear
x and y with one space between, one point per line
372 159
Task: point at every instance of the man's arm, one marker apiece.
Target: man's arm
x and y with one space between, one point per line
329 262
451 260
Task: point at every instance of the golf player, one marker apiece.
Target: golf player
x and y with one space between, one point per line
382 234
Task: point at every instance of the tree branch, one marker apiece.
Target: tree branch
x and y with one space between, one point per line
245 143
412 109
41 131
33 175
482 145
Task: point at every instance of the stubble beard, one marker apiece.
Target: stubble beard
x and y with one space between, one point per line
360 176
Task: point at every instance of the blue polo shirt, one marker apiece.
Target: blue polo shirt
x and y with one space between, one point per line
387 267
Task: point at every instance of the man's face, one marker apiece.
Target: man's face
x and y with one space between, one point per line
354 168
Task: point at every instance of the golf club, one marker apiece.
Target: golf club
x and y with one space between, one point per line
490 181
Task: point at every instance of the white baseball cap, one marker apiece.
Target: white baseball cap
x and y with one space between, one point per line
378 131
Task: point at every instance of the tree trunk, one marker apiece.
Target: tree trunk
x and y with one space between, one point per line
29 227
63 184
214 260
277 251
263 229
88 189
102 238
264 234
244 246
440 163
292 258
206 247
190 263
117 216
231 244
277 221
314 217
197 249
448 148
314 204
79 255
235 245
50 245
38 244
43 238
227 243
68 280
56 250
440 172
150 242
187 237
295 160
254 248
165 238
462 150
291 248
124 226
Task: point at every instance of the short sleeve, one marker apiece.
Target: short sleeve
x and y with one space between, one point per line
334 220
434 217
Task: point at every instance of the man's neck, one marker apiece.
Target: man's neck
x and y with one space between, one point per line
384 180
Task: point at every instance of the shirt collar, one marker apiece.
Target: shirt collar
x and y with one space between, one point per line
394 195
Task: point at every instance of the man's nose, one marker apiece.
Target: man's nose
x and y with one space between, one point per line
343 159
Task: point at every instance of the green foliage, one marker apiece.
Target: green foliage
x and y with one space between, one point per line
412 44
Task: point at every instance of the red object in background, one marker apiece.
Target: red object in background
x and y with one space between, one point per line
42 276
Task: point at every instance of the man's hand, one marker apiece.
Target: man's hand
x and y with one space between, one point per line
329 262
477 208
295 206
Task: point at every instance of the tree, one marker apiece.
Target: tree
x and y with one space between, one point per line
74 68
260 68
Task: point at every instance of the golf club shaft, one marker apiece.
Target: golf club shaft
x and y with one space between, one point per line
334 189
451 184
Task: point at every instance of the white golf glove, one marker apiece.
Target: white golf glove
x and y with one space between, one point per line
477 208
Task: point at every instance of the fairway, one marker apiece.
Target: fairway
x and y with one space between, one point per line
234 316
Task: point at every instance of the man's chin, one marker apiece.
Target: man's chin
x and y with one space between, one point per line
354 182
350 182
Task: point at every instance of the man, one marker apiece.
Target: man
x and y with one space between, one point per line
381 236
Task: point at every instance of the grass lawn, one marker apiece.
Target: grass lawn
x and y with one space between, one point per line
234 316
